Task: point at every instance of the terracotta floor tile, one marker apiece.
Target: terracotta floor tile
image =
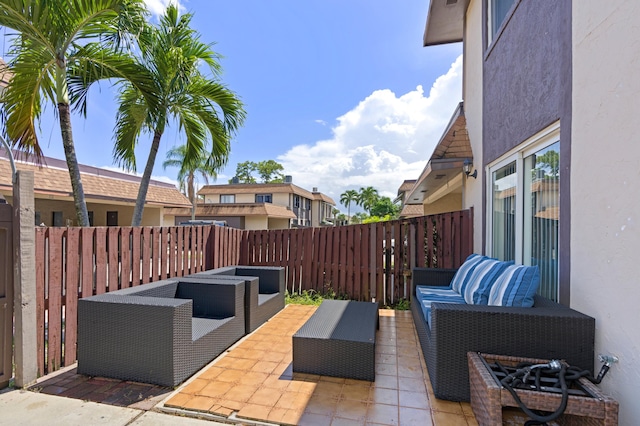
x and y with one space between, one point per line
275 414
265 396
244 364
384 396
292 417
385 381
240 393
273 382
253 378
353 410
195 386
329 389
312 419
232 405
231 376
466 409
211 373
409 370
391 359
200 403
386 349
216 389
446 406
471 420
253 354
384 414
449 419
253 411
412 384
356 392
293 401
272 356
333 379
178 400
264 366
389 369
415 417
302 386
414 400
323 405
238 352
221 411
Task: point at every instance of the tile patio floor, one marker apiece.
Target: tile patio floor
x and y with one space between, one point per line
254 381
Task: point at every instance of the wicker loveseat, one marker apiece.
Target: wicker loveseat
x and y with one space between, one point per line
161 332
547 330
264 291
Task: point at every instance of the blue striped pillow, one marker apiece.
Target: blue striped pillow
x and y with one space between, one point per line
516 286
477 288
462 276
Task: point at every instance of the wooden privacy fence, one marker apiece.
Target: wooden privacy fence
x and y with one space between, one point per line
72 263
361 262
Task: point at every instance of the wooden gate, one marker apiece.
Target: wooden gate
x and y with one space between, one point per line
6 294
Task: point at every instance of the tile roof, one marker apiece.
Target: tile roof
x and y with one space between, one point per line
239 209
259 188
98 184
412 210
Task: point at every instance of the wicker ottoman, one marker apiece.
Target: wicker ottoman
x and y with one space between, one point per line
488 397
338 340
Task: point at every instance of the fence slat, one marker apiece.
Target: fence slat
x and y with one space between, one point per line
101 260
125 257
54 324
87 261
41 266
136 239
71 291
112 255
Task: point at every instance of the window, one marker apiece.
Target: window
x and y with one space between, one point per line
264 198
56 218
525 207
296 201
496 14
227 199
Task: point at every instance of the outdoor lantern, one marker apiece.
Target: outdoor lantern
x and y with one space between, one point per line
466 168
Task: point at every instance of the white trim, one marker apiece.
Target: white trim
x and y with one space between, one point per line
545 137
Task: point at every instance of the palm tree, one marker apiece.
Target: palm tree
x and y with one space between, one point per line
203 108
367 197
205 166
346 198
61 47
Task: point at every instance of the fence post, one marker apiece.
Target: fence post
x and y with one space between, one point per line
25 336
373 264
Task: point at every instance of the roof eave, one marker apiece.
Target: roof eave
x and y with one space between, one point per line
445 22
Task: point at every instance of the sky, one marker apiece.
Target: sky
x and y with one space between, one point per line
341 93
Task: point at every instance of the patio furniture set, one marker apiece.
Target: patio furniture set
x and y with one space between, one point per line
165 331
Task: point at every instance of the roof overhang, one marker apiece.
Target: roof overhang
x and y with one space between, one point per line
445 22
443 172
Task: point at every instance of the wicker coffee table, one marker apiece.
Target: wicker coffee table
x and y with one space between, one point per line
488 397
338 340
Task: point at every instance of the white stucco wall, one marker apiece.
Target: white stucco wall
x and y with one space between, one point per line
605 187
472 95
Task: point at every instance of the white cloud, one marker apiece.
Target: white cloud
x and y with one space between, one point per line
381 142
157 7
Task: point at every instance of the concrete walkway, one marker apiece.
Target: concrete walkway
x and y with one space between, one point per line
20 407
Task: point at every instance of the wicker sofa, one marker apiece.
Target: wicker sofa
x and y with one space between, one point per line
547 330
264 291
161 332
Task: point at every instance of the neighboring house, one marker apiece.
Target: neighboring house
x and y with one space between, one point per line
407 210
551 93
264 206
438 189
110 196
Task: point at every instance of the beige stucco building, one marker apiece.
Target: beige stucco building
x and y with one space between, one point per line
263 206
